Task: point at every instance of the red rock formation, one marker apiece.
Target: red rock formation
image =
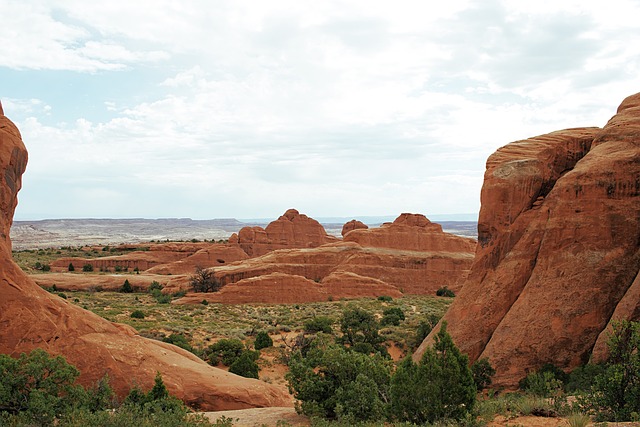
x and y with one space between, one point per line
411 255
33 318
559 249
413 232
291 230
354 224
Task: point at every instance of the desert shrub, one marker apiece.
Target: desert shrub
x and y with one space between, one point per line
179 340
482 372
392 316
582 378
445 292
318 324
425 327
204 302
385 298
333 382
37 387
226 351
87 267
245 365
615 394
203 280
359 327
137 314
126 287
71 267
547 381
263 340
155 286
440 387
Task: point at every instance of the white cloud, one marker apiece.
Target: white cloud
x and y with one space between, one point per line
330 107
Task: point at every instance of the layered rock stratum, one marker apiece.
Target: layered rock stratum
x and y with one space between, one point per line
33 318
558 250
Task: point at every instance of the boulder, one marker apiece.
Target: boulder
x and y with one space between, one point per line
33 318
559 249
354 224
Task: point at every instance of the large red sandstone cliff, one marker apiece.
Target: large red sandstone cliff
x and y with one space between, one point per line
558 253
33 318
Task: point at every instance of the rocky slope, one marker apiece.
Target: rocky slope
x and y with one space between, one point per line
32 318
559 249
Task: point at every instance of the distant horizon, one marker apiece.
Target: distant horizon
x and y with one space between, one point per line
367 219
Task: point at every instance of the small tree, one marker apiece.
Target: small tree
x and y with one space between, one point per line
87 267
482 373
360 330
245 365
225 351
318 324
392 316
263 340
440 387
71 267
203 280
126 287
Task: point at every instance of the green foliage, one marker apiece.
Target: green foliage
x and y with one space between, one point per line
38 387
546 382
333 382
445 292
126 287
582 377
87 268
155 289
245 365
360 330
71 267
225 351
615 395
318 324
263 340
482 372
440 387
179 340
155 286
137 314
392 316
385 298
203 280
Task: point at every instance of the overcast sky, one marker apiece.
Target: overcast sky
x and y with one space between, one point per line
209 109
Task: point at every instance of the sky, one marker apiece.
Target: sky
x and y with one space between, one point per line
217 109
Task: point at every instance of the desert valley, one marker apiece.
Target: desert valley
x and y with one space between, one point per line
551 272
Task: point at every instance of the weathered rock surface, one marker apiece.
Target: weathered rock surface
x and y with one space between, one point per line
559 249
354 224
410 255
291 230
33 318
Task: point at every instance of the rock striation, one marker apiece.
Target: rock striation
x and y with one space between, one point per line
411 255
33 318
291 230
558 250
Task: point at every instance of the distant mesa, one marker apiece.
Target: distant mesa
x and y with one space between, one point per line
34 318
558 256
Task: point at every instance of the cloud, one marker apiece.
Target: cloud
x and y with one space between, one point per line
244 108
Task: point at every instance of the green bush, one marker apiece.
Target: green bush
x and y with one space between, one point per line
425 327
392 316
333 382
385 298
445 292
225 351
615 394
71 267
126 287
547 381
482 372
245 365
179 340
263 340
358 326
87 267
318 324
440 387
137 314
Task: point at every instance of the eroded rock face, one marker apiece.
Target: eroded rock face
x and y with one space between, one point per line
354 224
291 230
558 252
411 255
33 318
